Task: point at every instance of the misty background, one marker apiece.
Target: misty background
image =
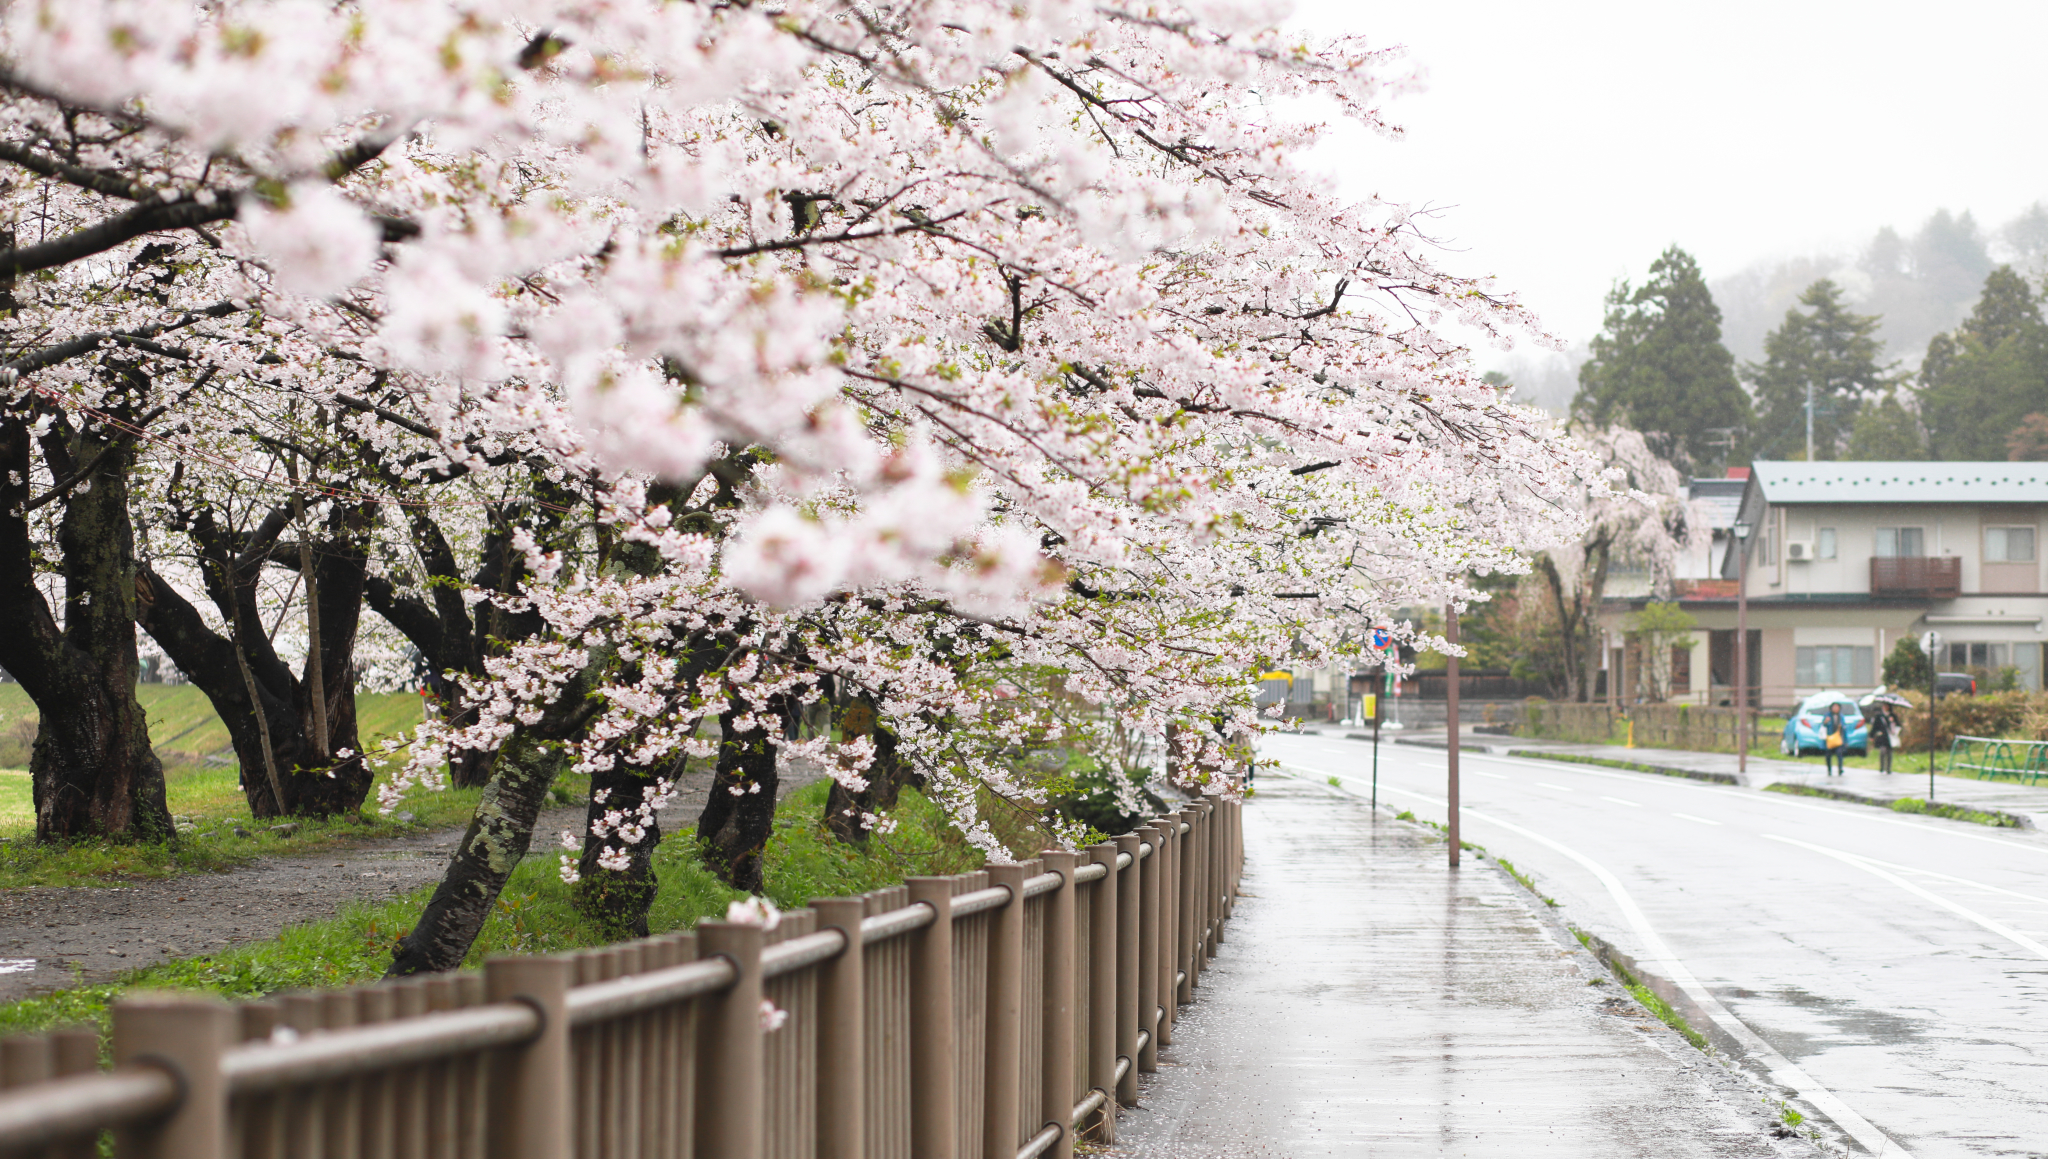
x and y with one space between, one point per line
1563 147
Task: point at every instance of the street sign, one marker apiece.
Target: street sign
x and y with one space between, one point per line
1929 641
1381 638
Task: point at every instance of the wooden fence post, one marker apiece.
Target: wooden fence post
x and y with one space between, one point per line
1057 1063
842 1030
185 1035
732 1116
1102 972
933 1109
1001 1129
1129 912
1149 1017
528 1107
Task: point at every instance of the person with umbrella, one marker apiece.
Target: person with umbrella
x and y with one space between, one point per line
1884 726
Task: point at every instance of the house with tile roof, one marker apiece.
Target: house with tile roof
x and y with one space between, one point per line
1845 559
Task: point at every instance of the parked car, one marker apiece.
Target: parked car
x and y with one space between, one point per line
1946 683
1803 732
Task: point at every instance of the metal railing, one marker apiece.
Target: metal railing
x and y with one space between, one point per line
991 1015
1935 576
1992 759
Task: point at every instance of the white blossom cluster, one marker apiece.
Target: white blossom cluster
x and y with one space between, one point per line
1007 356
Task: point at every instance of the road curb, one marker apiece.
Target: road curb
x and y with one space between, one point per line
1996 818
1631 766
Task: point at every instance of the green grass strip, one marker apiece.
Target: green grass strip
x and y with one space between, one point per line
1643 994
535 913
1917 805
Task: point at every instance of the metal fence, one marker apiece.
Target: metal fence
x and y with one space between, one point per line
992 1015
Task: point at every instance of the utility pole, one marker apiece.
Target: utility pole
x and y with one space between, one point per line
1451 715
1809 420
1741 697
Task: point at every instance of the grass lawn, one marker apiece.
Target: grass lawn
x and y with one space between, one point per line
202 791
534 915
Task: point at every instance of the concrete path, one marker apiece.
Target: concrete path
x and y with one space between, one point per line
1371 1002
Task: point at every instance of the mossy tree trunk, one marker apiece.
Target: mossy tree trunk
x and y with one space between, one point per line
739 814
846 811
500 832
93 772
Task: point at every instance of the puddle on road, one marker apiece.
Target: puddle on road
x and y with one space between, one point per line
1831 1022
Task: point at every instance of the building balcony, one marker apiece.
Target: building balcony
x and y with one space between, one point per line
1935 577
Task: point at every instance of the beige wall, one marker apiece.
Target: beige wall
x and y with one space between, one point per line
1947 529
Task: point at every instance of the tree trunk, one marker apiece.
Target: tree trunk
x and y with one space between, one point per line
92 769
845 810
314 784
740 813
499 835
618 900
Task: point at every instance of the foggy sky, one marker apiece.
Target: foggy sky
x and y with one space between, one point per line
1567 143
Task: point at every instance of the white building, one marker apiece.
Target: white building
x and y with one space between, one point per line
1846 558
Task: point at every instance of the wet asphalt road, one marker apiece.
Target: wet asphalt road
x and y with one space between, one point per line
1889 969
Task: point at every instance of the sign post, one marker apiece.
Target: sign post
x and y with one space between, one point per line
1929 641
1381 639
1451 714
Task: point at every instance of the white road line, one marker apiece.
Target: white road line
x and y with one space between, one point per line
1690 817
2035 897
1783 1071
1619 801
2001 929
1548 785
1495 776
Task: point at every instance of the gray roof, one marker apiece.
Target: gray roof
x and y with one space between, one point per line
1719 499
1902 482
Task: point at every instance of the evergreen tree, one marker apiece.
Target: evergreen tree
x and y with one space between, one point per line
1833 351
1980 382
1659 367
1886 429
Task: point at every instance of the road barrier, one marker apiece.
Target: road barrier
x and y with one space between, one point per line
1993 759
991 1015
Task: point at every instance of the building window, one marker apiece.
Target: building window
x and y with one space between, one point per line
1824 543
1990 657
1834 665
2008 545
1901 542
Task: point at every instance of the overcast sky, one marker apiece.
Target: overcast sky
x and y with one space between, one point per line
1568 141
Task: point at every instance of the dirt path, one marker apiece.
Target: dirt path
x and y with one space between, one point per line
51 938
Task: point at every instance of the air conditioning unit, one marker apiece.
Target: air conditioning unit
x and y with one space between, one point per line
1799 550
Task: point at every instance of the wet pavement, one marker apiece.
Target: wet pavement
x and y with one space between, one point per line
2023 800
1888 973
1370 1002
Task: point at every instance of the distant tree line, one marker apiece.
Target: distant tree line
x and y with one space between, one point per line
1660 366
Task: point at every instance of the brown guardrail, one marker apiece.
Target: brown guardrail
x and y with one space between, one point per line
992 1015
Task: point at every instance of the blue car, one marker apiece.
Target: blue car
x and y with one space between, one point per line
1805 732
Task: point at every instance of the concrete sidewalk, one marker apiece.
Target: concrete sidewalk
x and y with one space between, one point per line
2029 802
1371 1002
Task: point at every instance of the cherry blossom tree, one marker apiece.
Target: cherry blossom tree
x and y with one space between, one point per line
884 348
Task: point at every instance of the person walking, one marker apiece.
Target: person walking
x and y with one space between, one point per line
1834 739
1883 727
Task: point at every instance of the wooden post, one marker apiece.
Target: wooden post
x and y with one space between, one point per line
842 1034
1102 972
1129 912
732 1113
186 1035
1001 1129
933 1109
1057 1057
1150 1020
528 1109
